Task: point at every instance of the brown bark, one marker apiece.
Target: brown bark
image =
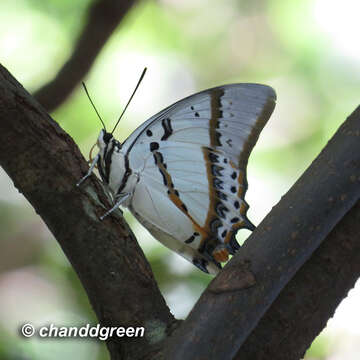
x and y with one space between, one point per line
307 302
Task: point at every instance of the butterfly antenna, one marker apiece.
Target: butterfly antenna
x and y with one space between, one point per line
97 113
139 81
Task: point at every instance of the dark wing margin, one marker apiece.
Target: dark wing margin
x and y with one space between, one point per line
266 98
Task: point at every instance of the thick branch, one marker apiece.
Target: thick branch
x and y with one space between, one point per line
304 306
103 17
45 164
239 296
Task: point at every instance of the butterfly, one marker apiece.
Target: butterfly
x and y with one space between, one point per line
182 173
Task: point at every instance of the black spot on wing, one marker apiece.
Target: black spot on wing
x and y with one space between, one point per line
218 184
159 160
216 170
221 195
217 136
128 172
190 239
214 225
220 209
154 146
216 114
166 124
213 157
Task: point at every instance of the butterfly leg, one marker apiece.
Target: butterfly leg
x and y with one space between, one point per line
117 204
90 170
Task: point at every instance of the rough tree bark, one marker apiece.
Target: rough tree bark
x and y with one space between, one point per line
44 164
102 19
304 306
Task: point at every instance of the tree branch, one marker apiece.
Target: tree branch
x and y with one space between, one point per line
304 306
45 164
239 296
103 17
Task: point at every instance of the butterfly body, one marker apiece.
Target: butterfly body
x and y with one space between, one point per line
183 172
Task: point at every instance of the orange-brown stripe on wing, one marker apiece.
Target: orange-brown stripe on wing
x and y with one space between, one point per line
216 113
221 254
173 193
215 105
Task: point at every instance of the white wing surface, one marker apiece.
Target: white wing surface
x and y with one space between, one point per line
191 163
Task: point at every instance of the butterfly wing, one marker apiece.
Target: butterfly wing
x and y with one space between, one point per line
191 163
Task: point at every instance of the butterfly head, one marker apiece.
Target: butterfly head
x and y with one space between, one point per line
106 136
106 142
109 151
104 139
102 143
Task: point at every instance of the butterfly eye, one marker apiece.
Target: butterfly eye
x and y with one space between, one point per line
107 137
90 154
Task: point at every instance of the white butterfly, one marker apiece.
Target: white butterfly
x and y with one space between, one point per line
182 173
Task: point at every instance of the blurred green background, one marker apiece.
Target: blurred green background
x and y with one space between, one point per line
308 51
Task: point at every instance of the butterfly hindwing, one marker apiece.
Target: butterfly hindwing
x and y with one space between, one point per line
191 163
